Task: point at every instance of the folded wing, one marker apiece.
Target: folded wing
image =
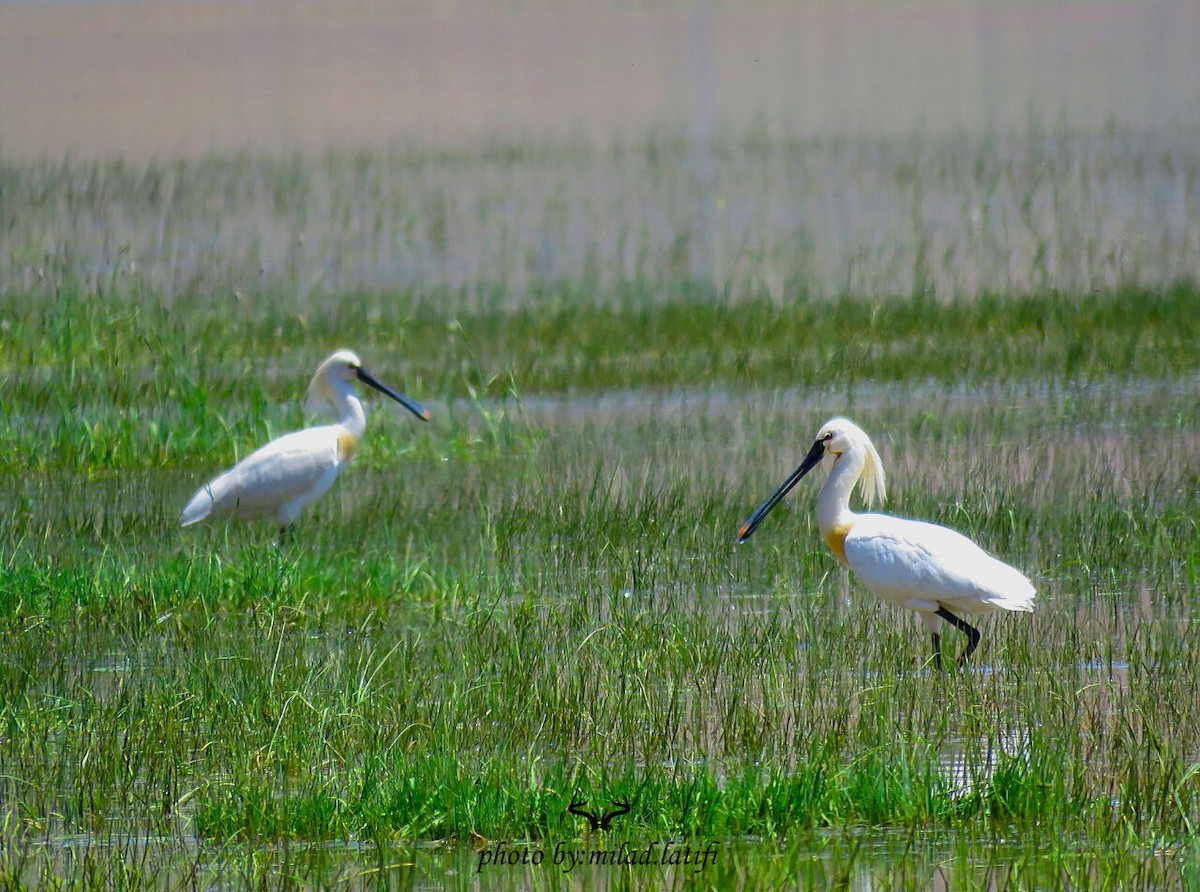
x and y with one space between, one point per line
286 469
922 565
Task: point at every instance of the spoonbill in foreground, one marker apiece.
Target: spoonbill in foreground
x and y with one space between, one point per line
291 471
925 567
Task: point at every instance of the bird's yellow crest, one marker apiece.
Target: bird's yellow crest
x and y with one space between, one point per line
842 435
873 482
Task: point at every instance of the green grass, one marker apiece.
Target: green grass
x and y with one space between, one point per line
538 596
140 414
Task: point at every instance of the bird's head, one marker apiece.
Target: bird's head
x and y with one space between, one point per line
335 375
335 371
839 436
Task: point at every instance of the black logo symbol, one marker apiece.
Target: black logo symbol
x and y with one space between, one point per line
602 823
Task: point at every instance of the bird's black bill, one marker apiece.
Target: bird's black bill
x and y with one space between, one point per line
810 461
412 405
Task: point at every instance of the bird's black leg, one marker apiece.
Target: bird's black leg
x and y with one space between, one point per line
937 651
285 535
966 628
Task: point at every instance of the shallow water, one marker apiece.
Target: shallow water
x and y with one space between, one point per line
861 860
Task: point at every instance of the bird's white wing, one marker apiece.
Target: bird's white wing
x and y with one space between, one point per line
921 565
283 470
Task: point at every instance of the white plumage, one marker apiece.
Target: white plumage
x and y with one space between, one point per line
920 566
294 470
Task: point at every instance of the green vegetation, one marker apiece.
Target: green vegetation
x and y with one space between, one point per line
538 597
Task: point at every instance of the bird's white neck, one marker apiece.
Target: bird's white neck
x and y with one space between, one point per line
351 414
833 505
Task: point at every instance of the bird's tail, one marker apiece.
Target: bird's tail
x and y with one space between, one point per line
1018 592
200 507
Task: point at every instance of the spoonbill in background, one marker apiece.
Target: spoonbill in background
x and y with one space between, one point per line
925 567
291 471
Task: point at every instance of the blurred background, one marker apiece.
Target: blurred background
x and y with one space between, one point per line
878 149
143 79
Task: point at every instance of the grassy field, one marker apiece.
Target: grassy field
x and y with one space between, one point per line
538 597
754 210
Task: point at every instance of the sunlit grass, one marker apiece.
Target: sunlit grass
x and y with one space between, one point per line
456 644
89 384
538 596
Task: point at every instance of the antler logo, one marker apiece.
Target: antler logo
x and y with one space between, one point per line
601 823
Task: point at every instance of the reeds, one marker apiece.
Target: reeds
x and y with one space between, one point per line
538 597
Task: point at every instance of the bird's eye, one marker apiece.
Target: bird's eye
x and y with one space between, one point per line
827 437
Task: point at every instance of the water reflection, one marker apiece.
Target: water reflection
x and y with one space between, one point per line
862 861
969 769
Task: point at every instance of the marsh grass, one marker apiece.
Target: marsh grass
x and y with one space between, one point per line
538 596
144 410
1029 210
459 641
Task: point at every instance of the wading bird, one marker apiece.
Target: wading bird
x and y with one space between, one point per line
284 476
925 567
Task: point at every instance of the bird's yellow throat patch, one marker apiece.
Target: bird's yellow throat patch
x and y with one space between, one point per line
347 445
836 540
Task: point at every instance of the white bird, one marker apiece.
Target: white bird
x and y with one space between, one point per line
922 566
291 471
